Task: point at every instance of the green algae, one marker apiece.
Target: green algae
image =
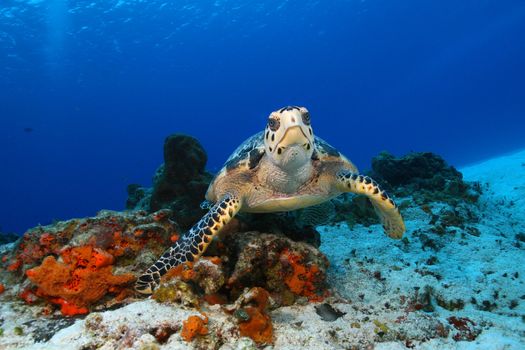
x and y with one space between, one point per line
18 330
174 292
381 327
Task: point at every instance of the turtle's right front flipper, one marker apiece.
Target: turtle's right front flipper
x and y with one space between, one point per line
192 244
384 206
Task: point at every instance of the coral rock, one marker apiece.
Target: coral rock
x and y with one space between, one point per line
131 241
28 296
425 174
208 275
181 182
175 291
267 260
215 299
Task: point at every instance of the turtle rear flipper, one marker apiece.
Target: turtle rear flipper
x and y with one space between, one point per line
192 244
384 206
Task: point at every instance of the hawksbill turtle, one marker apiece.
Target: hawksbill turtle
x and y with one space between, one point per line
283 168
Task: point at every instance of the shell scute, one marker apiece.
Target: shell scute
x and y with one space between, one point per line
248 154
324 149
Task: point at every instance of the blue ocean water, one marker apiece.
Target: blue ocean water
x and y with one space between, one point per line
90 89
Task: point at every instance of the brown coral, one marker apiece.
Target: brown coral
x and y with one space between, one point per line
84 276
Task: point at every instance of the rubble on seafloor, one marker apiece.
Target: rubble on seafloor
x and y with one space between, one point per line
455 279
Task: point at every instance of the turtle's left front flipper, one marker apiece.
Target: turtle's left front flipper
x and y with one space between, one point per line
384 206
192 244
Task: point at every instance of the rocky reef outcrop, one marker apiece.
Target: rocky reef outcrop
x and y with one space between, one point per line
84 265
423 178
424 175
80 263
179 184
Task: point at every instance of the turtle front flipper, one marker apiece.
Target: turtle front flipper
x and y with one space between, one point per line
384 206
192 244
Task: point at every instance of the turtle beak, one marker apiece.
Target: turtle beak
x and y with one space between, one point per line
293 136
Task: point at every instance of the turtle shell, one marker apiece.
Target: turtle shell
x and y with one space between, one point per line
250 152
247 155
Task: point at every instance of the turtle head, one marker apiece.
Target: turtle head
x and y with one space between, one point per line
288 137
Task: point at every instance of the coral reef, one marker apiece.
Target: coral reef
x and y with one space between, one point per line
138 197
286 269
252 267
298 225
354 210
266 260
425 174
179 184
424 178
89 250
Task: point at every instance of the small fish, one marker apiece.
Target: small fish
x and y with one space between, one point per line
28 129
328 313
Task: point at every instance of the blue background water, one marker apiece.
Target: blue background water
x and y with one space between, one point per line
101 83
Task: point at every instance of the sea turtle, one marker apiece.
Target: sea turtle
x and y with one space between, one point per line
283 168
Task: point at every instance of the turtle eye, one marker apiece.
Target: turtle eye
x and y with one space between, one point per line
273 124
306 118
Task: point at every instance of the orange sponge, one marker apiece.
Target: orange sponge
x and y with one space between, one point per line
258 327
193 327
304 278
84 277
